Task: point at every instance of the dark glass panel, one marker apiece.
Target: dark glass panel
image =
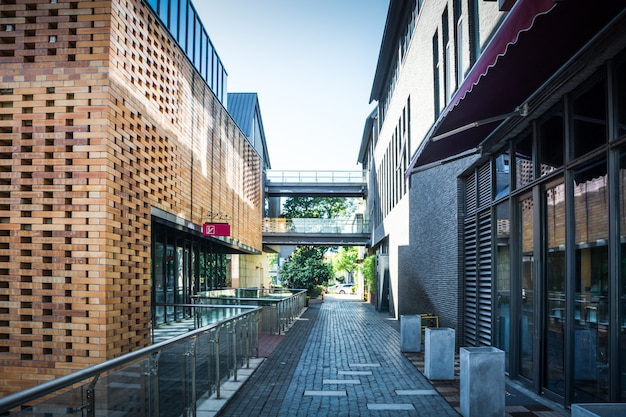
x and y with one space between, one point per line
591 300
502 330
620 78
524 172
551 144
589 120
527 313
555 325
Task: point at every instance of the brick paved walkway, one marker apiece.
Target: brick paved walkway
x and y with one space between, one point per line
341 358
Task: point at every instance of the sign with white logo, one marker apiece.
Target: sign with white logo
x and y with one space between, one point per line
216 229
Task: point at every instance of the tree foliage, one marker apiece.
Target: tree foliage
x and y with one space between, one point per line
369 273
345 259
318 207
305 268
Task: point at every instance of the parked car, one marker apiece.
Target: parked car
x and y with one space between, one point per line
331 289
345 288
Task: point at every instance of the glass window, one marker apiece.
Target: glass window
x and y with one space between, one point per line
197 43
191 30
591 302
164 11
174 15
524 172
527 309
551 143
503 175
502 328
154 4
589 120
622 267
182 22
202 64
620 79
210 54
554 270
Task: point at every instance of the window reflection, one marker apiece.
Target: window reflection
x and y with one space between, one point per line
591 302
621 98
503 175
551 144
502 326
556 317
589 119
622 266
527 317
524 173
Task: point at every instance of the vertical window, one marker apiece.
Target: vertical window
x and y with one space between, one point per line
174 16
502 316
554 270
182 19
622 266
436 89
458 41
591 312
191 30
154 4
448 74
197 49
551 143
527 278
164 11
589 120
204 42
503 175
524 167
620 79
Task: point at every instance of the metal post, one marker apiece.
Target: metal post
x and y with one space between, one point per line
217 361
234 332
91 397
192 353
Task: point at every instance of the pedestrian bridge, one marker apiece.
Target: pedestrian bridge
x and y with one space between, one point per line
330 232
316 184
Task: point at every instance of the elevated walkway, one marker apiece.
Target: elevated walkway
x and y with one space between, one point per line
330 232
316 184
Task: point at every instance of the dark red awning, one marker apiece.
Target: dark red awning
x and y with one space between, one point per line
536 39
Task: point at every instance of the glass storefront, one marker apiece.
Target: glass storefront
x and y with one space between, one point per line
183 265
559 286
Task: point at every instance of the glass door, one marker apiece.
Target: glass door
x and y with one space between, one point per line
526 273
555 318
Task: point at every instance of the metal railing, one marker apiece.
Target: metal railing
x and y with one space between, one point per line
334 226
171 378
357 176
280 308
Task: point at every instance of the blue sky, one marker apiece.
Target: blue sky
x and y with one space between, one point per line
312 64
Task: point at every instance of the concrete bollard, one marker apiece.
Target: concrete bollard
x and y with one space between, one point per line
439 353
410 333
482 381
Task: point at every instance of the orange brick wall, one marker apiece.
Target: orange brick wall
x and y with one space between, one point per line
101 118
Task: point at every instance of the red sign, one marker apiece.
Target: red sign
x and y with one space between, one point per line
216 229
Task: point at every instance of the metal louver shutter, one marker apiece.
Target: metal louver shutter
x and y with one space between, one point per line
470 193
471 275
477 308
484 185
484 279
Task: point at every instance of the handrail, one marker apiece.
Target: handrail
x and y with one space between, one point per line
14 400
313 176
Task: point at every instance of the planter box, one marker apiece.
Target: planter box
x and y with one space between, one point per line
482 381
439 353
410 333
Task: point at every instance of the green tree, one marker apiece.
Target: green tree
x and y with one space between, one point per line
345 259
318 207
369 273
306 269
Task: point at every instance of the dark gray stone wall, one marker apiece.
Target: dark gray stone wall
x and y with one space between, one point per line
429 268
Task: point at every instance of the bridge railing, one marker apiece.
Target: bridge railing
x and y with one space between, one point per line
356 176
335 226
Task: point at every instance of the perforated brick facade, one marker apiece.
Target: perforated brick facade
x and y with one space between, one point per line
102 119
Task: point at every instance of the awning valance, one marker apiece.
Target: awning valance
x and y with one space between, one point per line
536 39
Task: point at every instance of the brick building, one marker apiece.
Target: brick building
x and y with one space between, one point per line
115 148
